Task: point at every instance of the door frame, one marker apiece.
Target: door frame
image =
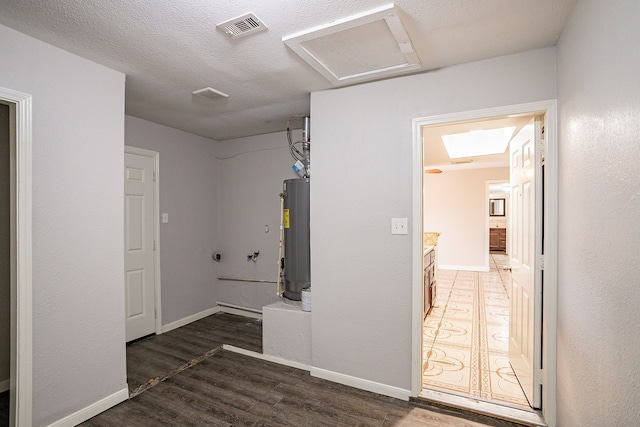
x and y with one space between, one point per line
21 381
549 314
156 229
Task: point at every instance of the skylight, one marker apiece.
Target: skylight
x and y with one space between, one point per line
477 143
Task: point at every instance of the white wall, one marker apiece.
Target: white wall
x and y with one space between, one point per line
219 197
252 171
189 193
455 204
362 177
5 294
78 285
599 230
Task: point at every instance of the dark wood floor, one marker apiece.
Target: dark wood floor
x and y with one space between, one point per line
4 409
216 387
229 389
158 355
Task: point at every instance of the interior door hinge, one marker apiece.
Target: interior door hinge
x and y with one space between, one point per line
154 245
541 261
154 176
540 376
155 313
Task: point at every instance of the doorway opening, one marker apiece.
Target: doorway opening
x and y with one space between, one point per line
499 211
142 243
446 200
143 313
16 272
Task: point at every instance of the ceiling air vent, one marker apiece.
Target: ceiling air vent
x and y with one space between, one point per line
210 93
242 26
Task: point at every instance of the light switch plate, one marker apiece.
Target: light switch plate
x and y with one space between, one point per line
165 218
399 226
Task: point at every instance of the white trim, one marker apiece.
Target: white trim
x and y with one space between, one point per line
487 227
4 385
21 360
267 357
156 229
140 151
362 384
223 307
186 320
482 268
549 334
335 377
550 297
238 310
417 257
482 407
92 410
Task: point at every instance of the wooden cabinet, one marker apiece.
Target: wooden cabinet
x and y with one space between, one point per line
497 239
429 280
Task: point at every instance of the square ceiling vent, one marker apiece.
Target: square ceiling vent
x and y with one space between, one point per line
242 26
363 47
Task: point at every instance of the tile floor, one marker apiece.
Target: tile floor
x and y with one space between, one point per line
466 336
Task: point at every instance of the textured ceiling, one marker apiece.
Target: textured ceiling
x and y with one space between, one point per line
168 49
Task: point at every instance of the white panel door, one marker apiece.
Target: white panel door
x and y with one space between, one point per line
525 297
139 258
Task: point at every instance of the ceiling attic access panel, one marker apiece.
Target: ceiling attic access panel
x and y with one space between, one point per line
364 47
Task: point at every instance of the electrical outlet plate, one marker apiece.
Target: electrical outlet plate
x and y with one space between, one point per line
399 226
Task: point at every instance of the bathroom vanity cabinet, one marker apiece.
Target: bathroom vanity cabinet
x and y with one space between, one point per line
429 279
497 239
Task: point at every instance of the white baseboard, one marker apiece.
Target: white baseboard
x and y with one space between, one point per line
335 377
240 311
362 384
92 410
266 357
223 307
5 385
186 320
464 267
